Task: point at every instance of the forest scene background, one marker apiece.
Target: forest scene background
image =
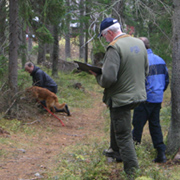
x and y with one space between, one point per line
52 34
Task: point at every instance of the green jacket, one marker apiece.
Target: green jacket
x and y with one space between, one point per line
124 72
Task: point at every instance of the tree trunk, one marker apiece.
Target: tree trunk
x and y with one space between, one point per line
81 31
86 36
29 40
13 44
2 25
67 46
173 140
22 43
86 49
49 47
41 53
67 35
55 56
24 49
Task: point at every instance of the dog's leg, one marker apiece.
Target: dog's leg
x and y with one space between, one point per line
51 104
48 104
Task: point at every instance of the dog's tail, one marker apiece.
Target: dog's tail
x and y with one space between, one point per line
60 106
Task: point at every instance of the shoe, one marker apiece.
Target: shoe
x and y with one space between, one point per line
66 109
136 142
113 154
161 158
59 110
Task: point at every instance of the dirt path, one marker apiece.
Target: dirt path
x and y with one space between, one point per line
24 156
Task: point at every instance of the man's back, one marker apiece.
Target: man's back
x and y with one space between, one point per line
158 79
41 79
132 70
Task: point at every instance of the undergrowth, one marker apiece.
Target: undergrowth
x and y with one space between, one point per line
84 161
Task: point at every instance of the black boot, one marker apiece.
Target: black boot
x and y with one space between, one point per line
59 110
161 157
65 109
136 142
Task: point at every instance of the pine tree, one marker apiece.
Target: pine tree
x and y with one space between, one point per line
173 140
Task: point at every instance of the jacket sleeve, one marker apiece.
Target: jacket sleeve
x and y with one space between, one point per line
166 79
110 68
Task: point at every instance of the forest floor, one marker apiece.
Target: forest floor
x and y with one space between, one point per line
28 156
32 153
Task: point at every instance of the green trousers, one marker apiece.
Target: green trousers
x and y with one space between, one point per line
121 137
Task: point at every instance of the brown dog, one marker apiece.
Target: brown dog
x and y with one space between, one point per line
41 94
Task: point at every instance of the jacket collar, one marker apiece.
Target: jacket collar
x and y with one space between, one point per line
34 70
119 36
149 51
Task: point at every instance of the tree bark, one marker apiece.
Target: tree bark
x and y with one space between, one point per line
67 35
86 34
173 140
22 43
13 46
2 25
81 31
49 47
24 49
41 53
55 55
29 40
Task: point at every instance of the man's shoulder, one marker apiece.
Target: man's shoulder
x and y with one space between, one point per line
159 59
38 70
156 58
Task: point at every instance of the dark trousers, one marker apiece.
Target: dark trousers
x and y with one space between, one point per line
148 112
121 137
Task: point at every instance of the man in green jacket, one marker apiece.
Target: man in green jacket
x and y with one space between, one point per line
123 77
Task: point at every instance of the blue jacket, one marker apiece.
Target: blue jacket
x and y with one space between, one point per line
157 79
41 79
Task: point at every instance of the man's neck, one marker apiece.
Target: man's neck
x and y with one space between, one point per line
118 35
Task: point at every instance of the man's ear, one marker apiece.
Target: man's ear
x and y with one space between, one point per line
110 32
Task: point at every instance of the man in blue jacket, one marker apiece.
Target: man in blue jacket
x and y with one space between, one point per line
41 79
156 83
